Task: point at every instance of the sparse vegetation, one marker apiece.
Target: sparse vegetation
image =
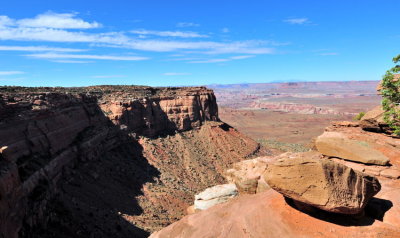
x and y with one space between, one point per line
391 96
283 146
359 116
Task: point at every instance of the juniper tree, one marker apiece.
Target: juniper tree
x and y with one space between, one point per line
391 96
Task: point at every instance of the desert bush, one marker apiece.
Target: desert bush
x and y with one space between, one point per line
391 96
359 116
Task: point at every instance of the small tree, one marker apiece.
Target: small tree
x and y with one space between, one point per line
391 96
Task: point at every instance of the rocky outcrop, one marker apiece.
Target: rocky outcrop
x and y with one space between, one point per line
268 215
322 183
43 136
162 110
214 195
61 148
373 121
247 175
336 144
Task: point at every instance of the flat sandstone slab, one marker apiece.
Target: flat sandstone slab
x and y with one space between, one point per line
336 144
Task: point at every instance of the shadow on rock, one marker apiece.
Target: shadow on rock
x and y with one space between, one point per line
377 207
335 218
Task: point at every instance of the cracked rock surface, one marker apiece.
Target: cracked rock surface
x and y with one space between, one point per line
322 183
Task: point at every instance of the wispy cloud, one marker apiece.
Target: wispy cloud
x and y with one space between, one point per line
77 56
3 73
183 34
297 21
115 39
38 48
225 30
107 76
187 24
220 60
72 61
175 74
41 29
57 20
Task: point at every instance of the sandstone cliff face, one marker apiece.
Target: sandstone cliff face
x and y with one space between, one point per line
71 164
162 111
43 135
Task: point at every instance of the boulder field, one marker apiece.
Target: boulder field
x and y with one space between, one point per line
334 191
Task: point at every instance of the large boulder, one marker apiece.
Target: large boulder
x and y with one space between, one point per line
214 195
373 121
322 183
336 144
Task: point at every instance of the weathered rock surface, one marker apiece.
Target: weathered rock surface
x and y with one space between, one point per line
322 183
373 121
62 148
161 110
336 144
268 215
247 175
214 195
375 142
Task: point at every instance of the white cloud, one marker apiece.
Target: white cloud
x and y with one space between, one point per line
187 24
57 20
183 34
37 48
94 57
242 57
297 21
2 73
5 21
72 61
44 31
175 74
225 30
222 59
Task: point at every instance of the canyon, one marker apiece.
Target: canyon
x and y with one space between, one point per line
108 161
133 161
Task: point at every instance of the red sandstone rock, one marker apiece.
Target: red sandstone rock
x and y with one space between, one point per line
320 182
268 215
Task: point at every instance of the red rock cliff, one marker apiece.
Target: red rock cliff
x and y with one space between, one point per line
161 110
56 144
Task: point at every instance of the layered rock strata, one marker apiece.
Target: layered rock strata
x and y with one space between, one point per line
61 148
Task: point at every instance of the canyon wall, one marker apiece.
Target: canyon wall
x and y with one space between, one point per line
73 158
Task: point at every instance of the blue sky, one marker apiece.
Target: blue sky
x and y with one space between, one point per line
168 43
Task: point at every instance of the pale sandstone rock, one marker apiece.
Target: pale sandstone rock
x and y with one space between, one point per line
390 173
336 144
246 175
215 195
322 183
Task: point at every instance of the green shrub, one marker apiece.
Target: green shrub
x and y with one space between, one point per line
391 97
359 116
